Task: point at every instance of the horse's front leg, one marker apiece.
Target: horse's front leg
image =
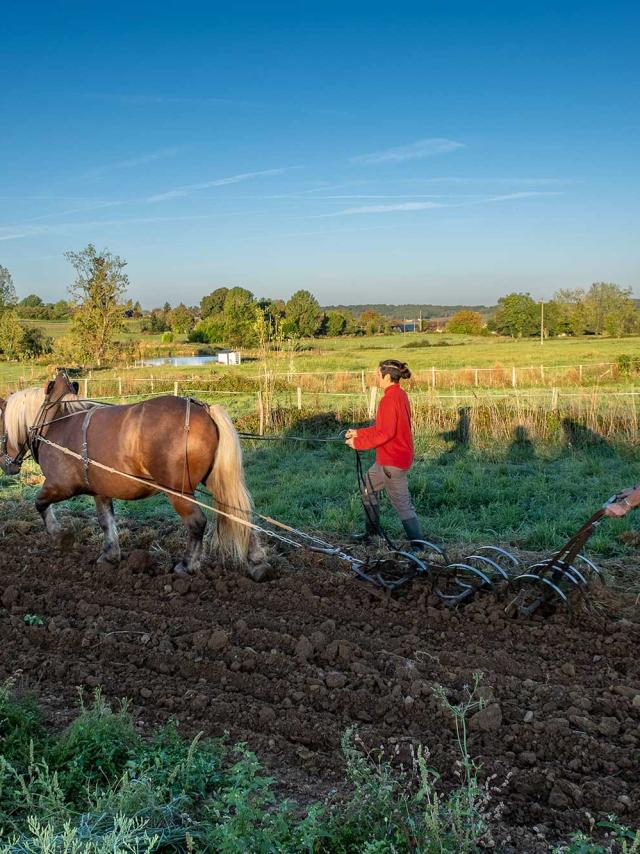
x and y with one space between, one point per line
50 494
195 522
106 519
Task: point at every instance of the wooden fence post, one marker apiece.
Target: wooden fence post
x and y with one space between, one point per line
580 372
373 392
433 377
542 373
554 399
513 376
299 395
175 388
86 387
261 413
119 386
475 377
364 387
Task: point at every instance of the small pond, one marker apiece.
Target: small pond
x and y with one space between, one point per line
180 361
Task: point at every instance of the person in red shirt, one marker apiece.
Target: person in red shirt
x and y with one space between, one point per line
392 439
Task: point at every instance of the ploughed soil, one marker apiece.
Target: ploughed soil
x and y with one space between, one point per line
288 664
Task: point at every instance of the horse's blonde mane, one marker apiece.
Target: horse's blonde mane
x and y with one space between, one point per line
22 410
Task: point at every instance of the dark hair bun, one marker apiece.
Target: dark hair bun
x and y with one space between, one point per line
395 369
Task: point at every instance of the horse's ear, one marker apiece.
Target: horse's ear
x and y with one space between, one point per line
76 387
49 387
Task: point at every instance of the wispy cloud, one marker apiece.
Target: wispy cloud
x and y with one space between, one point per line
19 230
449 179
421 206
413 151
522 195
376 209
188 189
132 162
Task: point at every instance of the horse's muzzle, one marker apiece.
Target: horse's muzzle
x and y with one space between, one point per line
9 467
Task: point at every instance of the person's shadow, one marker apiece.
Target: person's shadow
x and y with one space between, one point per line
460 436
521 449
576 435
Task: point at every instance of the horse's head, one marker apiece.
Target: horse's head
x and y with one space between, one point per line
56 390
6 461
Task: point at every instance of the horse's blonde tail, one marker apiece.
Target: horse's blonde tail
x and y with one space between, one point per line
226 484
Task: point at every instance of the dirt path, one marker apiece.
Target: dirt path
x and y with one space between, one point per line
289 664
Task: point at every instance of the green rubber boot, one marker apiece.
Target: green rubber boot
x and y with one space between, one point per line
412 529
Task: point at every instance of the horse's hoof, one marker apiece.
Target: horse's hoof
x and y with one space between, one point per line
181 569
64 540
105 562
258 571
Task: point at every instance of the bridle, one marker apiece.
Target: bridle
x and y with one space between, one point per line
30 444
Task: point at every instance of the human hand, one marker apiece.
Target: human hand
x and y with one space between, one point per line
350 441
351 434
617 509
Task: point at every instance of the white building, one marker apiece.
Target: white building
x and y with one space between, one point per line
228 357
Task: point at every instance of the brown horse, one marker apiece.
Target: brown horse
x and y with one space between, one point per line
169 441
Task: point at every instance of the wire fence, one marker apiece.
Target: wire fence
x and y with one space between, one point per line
140 381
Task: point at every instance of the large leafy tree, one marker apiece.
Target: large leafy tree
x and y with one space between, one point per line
213 303
11 334
466 322
304 314
7 291
373 322
610 309
239 318
517 315
181 320
98 295
572 318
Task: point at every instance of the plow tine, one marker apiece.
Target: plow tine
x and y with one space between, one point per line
581 580
495 567
559 571
469 582
502 553
549 589
427 549
592 567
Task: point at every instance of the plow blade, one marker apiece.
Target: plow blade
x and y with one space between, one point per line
459 582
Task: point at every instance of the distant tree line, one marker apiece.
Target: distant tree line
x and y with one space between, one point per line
234 317
408 310
604 309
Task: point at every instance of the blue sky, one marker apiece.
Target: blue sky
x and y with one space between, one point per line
371 152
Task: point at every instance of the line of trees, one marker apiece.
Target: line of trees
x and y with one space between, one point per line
604 309
233 317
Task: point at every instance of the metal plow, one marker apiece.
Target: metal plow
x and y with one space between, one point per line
562 577
558 580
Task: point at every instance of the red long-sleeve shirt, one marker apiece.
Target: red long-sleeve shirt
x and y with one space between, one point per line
391 434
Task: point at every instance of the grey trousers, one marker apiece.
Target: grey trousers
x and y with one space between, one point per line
395 483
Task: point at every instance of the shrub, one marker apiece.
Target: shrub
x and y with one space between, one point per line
95 750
